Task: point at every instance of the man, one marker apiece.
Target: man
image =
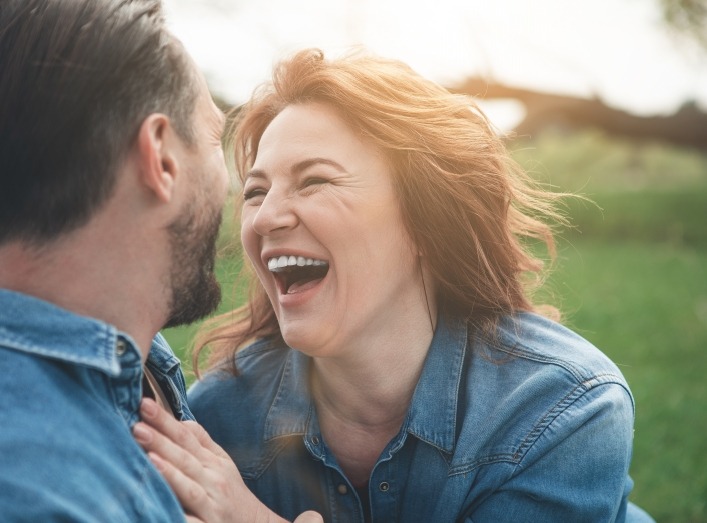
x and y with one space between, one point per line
112 181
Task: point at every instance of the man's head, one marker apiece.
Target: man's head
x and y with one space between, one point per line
78 78
105 119
193 232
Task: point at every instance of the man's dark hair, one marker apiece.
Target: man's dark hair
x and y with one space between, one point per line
77 78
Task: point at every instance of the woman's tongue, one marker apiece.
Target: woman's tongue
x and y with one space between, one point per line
302 279
302 285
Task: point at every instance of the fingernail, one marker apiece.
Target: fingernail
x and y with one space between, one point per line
148 408
142 433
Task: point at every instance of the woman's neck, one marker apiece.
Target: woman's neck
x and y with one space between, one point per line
362 399
374 382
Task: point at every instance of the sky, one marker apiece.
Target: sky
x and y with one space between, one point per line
617 50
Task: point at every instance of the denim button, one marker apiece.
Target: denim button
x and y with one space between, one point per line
314 440
120 347
384 486
342 489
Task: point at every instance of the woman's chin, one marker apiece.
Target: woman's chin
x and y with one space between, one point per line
305 340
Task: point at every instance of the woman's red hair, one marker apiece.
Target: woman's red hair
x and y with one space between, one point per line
467 206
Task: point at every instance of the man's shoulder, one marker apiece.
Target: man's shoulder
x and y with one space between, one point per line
47 400
67 452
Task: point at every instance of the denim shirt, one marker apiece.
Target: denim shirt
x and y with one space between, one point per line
534 426
70 388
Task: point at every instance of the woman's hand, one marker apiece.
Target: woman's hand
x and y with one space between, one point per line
202 474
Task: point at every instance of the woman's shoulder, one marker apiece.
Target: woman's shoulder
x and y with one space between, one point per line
536 342
532 375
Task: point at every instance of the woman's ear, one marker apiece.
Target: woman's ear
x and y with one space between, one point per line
157 143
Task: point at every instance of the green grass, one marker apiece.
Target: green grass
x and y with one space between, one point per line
675 217
592 162
645 306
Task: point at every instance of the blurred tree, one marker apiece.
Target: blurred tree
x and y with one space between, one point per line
687 19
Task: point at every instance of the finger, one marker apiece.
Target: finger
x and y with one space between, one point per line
154 442
155 416
187 434
204 439
309 517
191 494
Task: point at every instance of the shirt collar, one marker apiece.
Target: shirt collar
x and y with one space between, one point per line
432 415
161 359
38 327
433 411
292 407
166 369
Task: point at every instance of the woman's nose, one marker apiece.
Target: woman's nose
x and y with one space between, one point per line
275 213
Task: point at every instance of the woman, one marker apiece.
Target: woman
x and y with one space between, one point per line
390 364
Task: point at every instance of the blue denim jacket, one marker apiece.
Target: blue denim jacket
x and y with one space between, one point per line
70 388
535 426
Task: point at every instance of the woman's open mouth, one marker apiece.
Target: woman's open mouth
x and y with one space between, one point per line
297 273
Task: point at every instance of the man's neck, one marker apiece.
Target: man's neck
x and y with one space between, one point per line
88 281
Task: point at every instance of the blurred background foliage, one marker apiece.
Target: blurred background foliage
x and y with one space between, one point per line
641 190
687 19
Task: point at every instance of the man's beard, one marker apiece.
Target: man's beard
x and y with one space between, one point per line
195 291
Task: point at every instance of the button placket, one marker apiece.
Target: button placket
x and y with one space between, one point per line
127 384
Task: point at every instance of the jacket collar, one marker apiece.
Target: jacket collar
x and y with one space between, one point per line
161 359
433 411
38 327
293 406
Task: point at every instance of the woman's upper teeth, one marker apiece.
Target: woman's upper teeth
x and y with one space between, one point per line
282 262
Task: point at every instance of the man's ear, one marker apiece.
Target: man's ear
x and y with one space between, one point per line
158 164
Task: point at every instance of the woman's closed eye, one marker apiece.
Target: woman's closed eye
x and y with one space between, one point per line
309 184
249 194
313 182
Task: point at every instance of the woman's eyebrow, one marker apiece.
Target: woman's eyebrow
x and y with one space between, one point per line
298 167
305 164
255 173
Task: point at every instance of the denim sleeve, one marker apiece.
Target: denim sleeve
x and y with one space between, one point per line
574 464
